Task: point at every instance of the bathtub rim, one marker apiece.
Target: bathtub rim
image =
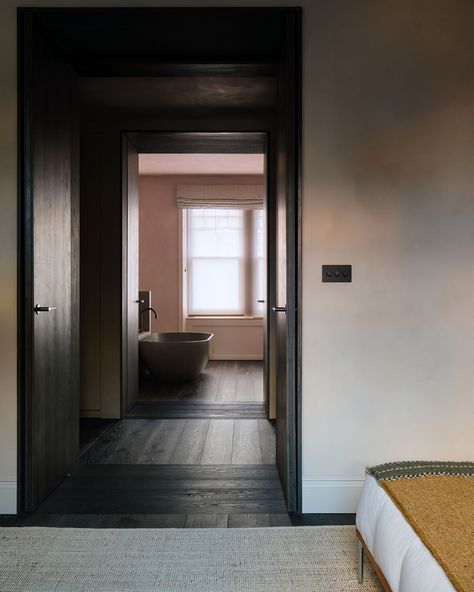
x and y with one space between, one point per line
150 337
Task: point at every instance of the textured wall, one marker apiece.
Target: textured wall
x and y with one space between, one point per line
387 360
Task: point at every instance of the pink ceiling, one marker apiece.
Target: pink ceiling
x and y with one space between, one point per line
201 164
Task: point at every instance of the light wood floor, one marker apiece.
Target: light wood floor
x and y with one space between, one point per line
221 382
182 442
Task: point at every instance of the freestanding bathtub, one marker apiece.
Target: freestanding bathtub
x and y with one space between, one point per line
175 357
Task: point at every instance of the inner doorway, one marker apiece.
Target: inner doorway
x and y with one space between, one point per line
198 210
201 278
193 198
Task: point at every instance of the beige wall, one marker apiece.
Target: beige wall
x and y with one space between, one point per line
234 339
388 359
159 251
8 254
387 186
160 240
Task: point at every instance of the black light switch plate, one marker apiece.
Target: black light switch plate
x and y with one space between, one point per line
337 273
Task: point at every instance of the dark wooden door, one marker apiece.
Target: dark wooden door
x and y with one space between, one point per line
130 289
51 304
286 268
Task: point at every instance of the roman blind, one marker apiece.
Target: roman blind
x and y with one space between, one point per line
238 197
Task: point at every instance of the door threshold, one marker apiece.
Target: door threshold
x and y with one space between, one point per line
193 410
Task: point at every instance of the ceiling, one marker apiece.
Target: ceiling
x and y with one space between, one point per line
201 164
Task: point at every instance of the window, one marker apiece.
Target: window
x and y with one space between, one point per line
258 262
225 263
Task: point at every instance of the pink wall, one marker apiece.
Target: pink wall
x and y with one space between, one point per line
159 239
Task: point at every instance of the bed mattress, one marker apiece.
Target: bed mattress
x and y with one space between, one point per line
406 563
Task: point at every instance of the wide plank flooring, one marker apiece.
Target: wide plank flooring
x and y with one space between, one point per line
196 410
197 455
193 520
200 455
169 489
183 442
220 382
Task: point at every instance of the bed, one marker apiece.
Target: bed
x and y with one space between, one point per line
405 522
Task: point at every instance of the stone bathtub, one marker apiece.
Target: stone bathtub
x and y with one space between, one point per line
175 357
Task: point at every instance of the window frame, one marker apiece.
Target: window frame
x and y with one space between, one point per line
248 271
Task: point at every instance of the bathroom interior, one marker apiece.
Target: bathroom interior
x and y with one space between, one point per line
200 332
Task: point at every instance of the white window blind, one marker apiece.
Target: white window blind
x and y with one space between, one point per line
215 262
225 261
220 196
258 267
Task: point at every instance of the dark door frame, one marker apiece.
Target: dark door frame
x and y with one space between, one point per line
160 142
32 45
58 19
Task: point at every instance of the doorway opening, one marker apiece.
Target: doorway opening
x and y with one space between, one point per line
195 323
201 281
233 82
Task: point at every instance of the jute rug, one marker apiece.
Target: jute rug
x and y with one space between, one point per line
300 559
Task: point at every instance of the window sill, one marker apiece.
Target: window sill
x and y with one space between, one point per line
223 321
236 317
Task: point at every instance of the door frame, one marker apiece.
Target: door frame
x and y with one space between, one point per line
239 142
163 142
293 49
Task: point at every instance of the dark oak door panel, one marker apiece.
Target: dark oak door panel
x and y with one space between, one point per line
130 279
286 293
50 162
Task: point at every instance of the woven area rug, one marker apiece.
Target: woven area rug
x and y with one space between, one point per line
302 559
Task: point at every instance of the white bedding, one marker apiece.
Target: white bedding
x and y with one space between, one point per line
406 563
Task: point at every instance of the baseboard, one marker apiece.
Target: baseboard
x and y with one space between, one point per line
237 357
331 496
8 495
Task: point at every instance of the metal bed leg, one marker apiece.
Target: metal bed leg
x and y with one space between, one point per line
360 562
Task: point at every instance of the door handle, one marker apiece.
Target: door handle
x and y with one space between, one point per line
140 301
39 308
260 301
279 309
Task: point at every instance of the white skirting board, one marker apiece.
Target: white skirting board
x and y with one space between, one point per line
8 497
331 496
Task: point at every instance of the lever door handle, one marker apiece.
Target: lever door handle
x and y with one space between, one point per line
279 309
260 301
39 308
140 301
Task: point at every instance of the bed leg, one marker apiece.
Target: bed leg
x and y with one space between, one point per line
360 562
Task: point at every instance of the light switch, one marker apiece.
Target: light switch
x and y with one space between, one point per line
337 273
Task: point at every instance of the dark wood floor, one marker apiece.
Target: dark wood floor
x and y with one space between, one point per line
194 520
181 442
170 496
168 489
191 409
211 465
220 382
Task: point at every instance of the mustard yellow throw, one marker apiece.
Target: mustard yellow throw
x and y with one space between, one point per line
440 508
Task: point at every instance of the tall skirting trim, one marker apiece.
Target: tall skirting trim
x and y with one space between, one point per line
8 497
331 496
